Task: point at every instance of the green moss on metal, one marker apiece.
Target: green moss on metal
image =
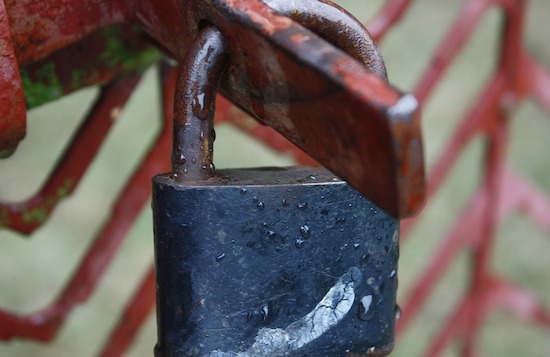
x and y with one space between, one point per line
118 54
36 215
4 154
4 218
44 87
65 189
76 78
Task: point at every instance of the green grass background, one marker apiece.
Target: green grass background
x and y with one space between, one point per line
33 270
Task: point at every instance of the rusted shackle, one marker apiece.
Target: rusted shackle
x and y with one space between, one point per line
204 64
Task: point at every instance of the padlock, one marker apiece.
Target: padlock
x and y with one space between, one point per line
264 261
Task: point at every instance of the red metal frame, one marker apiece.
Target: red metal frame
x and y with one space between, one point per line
502 192
319 76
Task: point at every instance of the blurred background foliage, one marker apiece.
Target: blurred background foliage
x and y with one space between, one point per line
32 271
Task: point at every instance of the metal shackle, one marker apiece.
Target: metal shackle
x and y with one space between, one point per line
336 25
194 106
204 64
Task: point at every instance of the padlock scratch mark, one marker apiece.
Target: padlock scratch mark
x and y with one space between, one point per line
275 342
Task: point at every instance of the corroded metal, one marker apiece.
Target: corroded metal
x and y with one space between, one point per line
516 192
194 104
12 104
317 96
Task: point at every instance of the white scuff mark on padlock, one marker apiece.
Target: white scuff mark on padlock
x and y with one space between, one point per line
276 342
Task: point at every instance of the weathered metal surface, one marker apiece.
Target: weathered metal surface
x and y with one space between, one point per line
194 205
272 262
194 105
12 104
516 192
97 59
279 72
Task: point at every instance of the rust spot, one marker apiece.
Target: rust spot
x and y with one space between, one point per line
299 38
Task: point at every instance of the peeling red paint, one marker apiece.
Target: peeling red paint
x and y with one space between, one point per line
12 103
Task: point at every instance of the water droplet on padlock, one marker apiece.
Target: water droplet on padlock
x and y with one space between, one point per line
285 203
299 243
270 234
264 312
260 206
305 231
193 160
255 199
398 312
181 159
220 257
365 310
243 191
302 205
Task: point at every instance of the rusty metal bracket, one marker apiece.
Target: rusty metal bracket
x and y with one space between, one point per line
316 95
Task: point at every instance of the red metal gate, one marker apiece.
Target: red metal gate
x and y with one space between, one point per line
501 191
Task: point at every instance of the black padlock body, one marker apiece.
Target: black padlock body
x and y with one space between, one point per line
253 249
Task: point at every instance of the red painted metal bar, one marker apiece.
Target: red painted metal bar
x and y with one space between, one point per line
521 302
134 315
380 149
228 113
26 216
143 301
451 45
501 192
497 142
453 327
469 126
390 14
44 324
462 234
12 112
515 192
526 197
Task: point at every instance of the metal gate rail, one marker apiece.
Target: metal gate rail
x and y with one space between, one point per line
502 191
